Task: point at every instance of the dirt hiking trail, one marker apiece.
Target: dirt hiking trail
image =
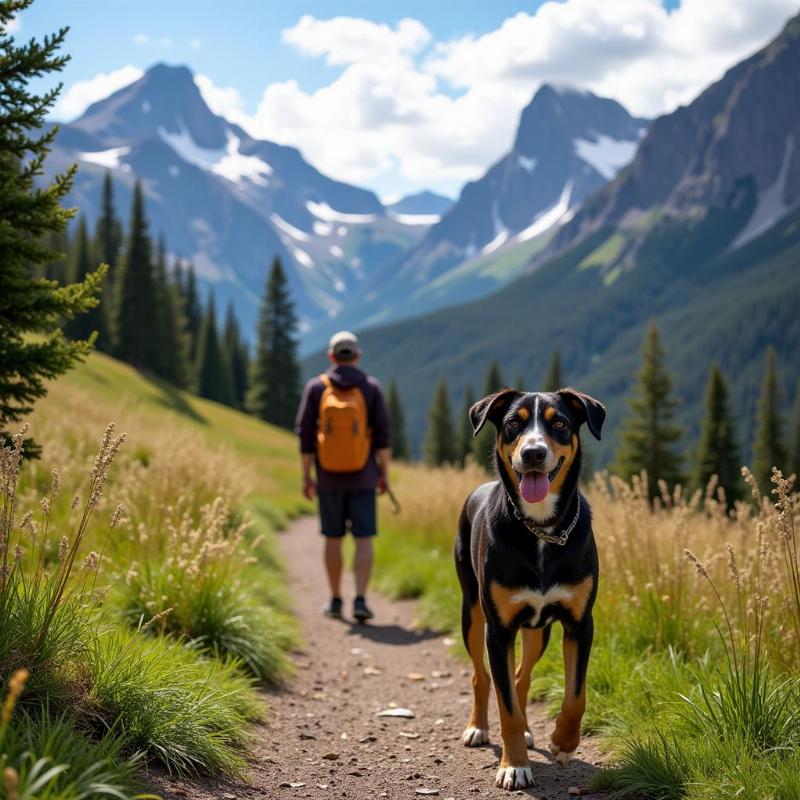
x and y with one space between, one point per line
322 738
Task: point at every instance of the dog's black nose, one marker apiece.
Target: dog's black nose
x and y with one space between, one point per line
534 455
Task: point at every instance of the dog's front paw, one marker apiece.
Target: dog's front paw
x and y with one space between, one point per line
474 737
560 757
513 778
529 740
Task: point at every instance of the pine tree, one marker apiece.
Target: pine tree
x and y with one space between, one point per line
717 452
107 244
79 266
213 375
440 442
465 437
135 309
397 424
192 312
553 379
793 467
648 436
275 387
483 443
172 361
769 449
32 347
235 355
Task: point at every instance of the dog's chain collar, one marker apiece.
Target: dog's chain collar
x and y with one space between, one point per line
541 533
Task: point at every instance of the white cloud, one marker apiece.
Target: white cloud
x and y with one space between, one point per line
79 96
14 25
141 39
223 100
351 40
438 113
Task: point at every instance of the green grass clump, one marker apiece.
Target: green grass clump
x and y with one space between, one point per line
204 574
161 698
47 758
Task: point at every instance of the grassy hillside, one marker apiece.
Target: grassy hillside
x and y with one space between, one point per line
267 454
711 305
141 597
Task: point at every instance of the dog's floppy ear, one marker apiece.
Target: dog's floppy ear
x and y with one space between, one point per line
492 408
589 410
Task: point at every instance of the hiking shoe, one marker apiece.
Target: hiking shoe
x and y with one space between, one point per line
333 608
360 610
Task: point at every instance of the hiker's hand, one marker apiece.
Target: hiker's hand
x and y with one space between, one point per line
383 484
309 487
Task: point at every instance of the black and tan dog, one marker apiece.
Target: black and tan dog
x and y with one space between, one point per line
526 557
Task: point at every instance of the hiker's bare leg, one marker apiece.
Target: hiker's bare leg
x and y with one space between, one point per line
362 563
333 564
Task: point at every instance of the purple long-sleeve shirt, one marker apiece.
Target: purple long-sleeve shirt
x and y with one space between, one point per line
306 423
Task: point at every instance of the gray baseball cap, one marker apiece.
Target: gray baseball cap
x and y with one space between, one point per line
343 343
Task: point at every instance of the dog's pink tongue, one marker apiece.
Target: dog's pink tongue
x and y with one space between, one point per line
534 487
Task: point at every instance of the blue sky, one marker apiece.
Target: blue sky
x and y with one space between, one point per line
405 95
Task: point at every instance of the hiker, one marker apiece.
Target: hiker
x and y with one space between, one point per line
344 433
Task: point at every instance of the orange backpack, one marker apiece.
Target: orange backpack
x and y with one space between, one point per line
344 439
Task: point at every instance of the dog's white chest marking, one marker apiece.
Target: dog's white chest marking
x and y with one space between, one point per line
538 600
540 511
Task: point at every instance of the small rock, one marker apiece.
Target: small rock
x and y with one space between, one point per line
576 791
371 671
427 791
344 736
355 774
228 796
439 721
331 756
307 736
448 642
322 786
440 673
365 739
406 713
356 651
415 676
408 735
287 785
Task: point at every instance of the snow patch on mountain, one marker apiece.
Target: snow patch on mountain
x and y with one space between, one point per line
558 214
771 206
327 214
303 258
528 164
228 163
605 154
322 228
500 233
415 219
289 229
110 159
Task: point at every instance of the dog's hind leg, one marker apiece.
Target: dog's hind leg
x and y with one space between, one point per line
534 642
473 628
577 647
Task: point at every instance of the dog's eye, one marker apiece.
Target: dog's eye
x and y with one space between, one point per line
558 424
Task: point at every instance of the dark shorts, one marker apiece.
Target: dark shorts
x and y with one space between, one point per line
356 506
